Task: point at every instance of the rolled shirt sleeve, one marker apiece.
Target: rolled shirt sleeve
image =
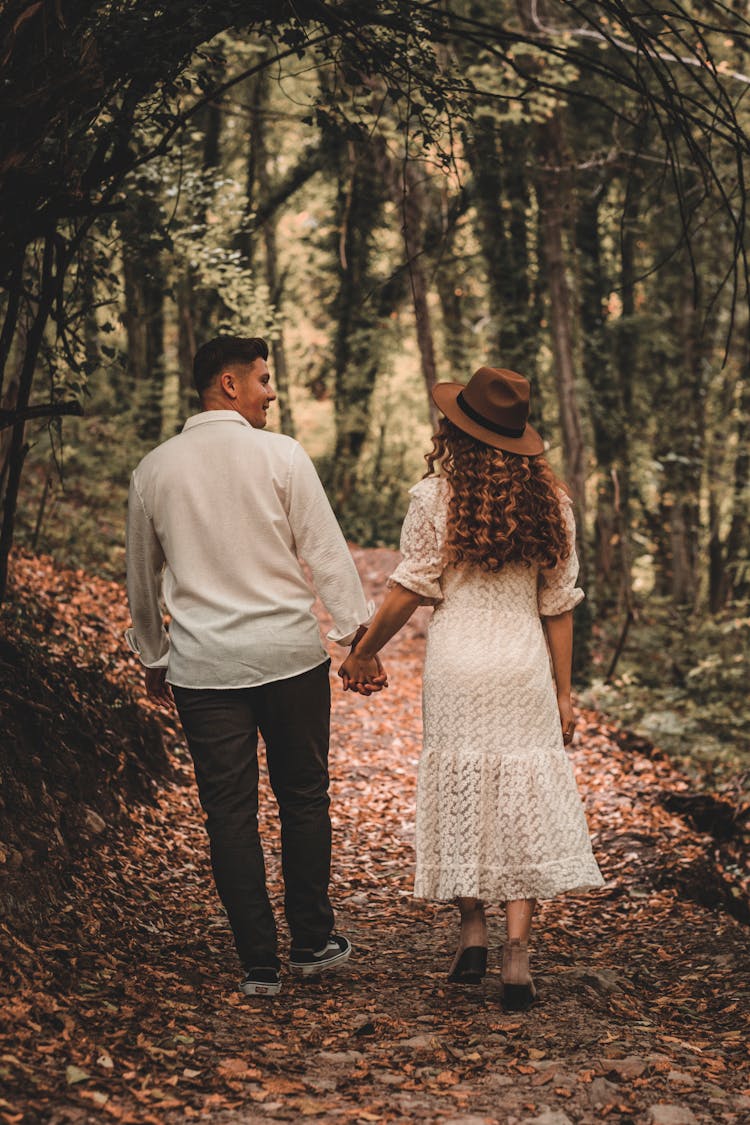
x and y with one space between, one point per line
422 563
557 590
148 638
320 542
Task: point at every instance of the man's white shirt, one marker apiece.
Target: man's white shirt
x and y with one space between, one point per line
219 517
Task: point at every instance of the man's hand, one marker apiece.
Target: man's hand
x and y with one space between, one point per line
363 674
157 687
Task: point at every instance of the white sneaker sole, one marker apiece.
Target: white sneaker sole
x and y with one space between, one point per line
314 969
260 989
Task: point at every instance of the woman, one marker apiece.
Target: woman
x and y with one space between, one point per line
490 542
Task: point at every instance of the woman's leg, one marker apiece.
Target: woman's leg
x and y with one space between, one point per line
518 915
473 923
473 934
518 987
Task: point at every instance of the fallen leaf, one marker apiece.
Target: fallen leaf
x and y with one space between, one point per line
74 1074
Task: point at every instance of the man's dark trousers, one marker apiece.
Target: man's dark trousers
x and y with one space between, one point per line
221 727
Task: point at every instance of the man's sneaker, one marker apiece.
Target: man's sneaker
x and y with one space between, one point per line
309 962
261 982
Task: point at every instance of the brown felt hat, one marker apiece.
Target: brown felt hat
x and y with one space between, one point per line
493 407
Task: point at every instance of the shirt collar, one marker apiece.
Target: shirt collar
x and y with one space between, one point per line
215 416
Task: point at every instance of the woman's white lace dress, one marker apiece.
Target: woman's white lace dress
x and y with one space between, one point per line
499 815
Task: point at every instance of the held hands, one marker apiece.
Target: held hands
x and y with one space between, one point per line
567 718
363 674
362 671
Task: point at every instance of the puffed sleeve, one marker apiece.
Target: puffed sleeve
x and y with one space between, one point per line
422 563
557 591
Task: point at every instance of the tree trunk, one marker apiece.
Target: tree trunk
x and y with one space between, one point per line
208 307
716 467
10 319
278 346
187 344
734 580
554 204
144 285
18 447
198 310
87 276
520 326
553 199
355 342
259 167
681 445
497 156
10 336
410 194
405 183
610 423
484 161
684 469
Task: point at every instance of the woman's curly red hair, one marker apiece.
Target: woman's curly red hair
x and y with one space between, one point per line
504 507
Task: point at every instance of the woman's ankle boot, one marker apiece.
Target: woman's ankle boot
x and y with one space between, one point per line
518 987
470 966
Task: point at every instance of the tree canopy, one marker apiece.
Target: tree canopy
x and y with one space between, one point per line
557 186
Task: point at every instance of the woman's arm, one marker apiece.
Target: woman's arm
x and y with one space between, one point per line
559 630
361 667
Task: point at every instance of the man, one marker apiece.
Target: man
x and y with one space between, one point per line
218 518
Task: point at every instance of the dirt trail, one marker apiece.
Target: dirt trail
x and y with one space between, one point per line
130 1011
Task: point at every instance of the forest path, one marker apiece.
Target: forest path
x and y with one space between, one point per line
642 1015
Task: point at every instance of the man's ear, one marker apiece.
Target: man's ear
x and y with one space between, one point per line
228 384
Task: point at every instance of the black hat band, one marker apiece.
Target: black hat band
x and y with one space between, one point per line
470 412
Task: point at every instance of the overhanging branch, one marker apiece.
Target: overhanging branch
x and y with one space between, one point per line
43 410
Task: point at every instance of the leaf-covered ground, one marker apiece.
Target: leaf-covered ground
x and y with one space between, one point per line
123 1005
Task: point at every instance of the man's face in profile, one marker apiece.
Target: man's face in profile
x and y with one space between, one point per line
254 392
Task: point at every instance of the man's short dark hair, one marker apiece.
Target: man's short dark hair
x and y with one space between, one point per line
223 351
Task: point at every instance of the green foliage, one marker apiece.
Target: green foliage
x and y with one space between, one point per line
375 510
682 682
74 492
503 87
204 214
